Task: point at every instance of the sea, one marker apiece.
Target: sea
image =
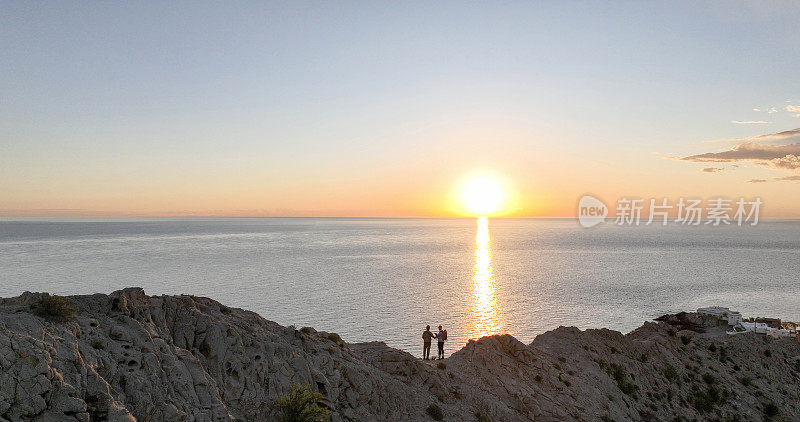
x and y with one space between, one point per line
373 279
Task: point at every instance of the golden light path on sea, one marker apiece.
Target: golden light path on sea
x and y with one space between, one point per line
485 316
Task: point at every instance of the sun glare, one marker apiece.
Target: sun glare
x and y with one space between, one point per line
483 195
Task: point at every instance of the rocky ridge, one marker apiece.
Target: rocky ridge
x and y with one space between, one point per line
128 356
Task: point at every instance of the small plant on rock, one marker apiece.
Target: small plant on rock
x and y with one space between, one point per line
435 412
53 308
301 405
482 417
620 376
670 373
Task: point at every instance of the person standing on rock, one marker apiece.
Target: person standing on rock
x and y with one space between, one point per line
441 336
427 335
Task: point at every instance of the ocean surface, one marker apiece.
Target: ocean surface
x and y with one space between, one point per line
384 279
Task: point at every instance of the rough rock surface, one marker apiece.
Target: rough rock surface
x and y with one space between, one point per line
127 356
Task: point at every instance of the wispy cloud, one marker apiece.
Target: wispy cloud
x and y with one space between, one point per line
756 181
750 151
790 178
782 138
793 109
773 110
713 169
759 149
756 109
749 122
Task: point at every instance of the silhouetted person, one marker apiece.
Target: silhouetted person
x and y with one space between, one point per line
441 336
427 335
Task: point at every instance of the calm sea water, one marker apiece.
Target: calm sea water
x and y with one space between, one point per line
384 279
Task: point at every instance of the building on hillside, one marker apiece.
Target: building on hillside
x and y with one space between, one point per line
781 333
771 322
725 314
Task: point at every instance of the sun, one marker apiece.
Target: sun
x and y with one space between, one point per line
483 195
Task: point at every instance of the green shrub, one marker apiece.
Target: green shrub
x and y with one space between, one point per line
620 376
435 412
643 357
441 365
670 373
704 401
53 308
686 339
98 344
538 378
301 405
306 330
746 381
768 353
482 417
712 347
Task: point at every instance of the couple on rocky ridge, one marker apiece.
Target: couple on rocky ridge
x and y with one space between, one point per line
427 335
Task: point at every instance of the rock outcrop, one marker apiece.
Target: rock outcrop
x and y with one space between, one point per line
128 356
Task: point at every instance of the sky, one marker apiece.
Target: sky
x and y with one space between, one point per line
364 109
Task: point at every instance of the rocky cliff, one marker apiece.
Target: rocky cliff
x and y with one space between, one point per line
128 356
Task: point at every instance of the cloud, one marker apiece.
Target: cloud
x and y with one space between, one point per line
756 109
756 181
759 149
773 110
712 169
749 122
748 151
789 162
791 178
785 136
793 109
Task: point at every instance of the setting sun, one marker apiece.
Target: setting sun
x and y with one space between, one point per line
483 195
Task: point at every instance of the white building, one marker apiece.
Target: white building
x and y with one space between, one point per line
729 316
781 333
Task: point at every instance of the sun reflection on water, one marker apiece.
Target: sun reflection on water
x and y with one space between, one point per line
485 315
